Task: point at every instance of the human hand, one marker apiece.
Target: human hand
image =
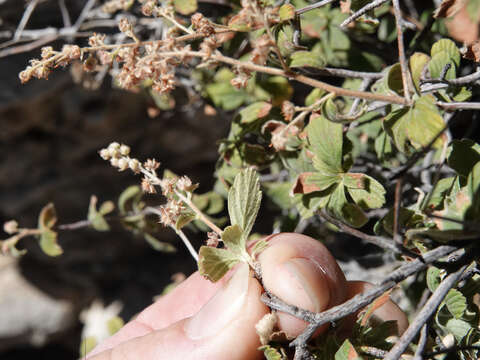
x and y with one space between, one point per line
203 320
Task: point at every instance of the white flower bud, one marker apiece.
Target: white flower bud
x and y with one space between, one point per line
134 165
114 145
122 164
114 161
105 154
124 150
114 153
10 227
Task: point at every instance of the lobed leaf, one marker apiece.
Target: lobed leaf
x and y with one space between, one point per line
214 263
244 198
326 143
347 352
254 111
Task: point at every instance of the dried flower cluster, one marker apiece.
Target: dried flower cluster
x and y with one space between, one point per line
112 6
41 68
172 187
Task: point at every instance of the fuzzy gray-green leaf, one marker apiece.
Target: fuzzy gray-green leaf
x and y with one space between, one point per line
244 199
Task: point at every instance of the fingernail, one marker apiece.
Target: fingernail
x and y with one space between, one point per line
303 284
225 306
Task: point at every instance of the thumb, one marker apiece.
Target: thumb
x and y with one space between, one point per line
224 328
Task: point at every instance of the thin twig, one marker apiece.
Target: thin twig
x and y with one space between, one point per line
430 307
350 73
372 351
83 15
179 232
451 349
379 241
24 20
362 11
406 77
67 22
396 211
313 6
421 343
453 106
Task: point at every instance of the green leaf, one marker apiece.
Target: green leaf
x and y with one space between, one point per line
441 190
367 192
128 197
214 263
459 328
225 95
433 278
286 12
159 245
319 181
47 217
106 208
234 240
456 303
254 111
96 218
394 79
347 352
271 353
315 95
48 243
259 246
184 219
326 142
114 324
306 59
417 63
278 193
419 124
210 202
340 208
438 63
185 7
473 188
87 345
244 198
449 47
463 155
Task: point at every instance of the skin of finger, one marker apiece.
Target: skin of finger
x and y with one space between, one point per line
388 311
237 341
326 280
183 301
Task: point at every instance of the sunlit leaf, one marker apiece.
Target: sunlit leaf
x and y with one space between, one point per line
254 111
306 59
326 142
417 63
419 124
367 192
185 7
449 47
244 199
214 263
48 243
286 12
347 352
159 245
115 324
456 303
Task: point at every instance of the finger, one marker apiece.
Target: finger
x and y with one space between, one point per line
183 301
224 328
386 312
302 272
